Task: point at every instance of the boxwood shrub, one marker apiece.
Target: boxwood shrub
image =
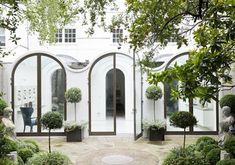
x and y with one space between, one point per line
181 156
228 100
213 156
53 158
226 162
25 153
204 141
229 146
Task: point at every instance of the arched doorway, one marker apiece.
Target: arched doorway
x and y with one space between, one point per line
111 96
206 115
38 82
120 93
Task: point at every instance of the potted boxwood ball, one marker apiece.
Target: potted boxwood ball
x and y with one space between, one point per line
74 131
156 129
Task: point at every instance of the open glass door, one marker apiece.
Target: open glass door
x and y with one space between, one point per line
103 97
137 102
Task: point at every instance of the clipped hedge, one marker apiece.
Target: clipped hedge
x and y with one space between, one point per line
204 141
45 158
228 100
25 153
229 146
226 162
213 156
187 156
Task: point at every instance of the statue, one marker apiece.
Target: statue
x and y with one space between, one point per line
6 120
226 124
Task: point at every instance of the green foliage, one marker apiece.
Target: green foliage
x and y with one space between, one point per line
155 124
208 148
183 119
226 162
28 144
228 100
3 105
213 156
187 156
73 95
204 141
153 92
53 158
229 146
20 160
70 126
6 161
32 145
25 153
52 120
209 64
7 145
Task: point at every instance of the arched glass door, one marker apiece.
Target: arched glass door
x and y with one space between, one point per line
206 115
38 86
111 101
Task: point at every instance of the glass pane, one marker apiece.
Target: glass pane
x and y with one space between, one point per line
173 106
102 118
124 92
205 115
53 87
25 97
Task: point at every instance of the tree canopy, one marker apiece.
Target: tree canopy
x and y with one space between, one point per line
212 24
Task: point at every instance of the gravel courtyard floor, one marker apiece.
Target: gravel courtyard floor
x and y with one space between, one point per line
114 150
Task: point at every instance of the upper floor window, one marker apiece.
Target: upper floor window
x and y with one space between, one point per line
2 37
117 35
66 36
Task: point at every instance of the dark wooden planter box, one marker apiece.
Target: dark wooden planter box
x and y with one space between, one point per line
156 135
76 135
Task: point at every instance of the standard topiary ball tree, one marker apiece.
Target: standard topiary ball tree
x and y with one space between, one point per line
228 100
154 93
73 95
183 120
52 120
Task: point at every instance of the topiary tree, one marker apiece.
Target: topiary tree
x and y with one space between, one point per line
73 95
183 120
52 120
228 100
154 93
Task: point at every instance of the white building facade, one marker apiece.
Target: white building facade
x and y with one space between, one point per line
105 69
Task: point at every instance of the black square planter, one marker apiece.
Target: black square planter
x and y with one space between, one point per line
75 136
156 135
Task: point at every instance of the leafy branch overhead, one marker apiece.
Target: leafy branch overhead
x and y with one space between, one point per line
46 16
212 24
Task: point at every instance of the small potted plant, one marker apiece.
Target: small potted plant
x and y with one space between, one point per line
156 129
74 131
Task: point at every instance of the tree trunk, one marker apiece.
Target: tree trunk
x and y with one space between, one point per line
184 138
75 111
49 140
154 111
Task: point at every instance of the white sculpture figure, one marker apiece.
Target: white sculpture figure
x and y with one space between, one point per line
226 123
6 120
